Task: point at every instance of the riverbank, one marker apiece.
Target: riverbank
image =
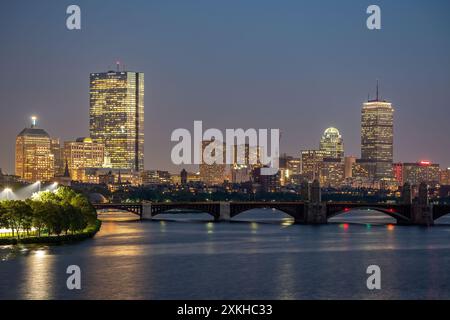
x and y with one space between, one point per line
86 234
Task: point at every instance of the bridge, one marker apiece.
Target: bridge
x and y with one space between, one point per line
302 212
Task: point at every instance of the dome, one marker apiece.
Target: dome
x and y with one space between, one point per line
331 132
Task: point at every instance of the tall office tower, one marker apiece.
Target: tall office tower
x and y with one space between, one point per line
34 159
377 138
332 143
117 117
215 173
81 154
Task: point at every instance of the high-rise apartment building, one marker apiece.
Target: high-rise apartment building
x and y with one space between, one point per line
34 159
377 138
117 117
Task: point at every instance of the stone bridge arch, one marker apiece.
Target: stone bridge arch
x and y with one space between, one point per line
293 209
401 213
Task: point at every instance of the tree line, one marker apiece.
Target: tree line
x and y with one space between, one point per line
53 213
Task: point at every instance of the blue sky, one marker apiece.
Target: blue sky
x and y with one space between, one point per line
299 66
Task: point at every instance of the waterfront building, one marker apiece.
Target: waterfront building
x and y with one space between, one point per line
83 153
377 138
332 144
117 117
34 160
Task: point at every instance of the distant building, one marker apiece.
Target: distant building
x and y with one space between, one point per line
377 138
183 177
332 173
34 159
266 183
83 153
348 166
117 117
7 178
332 144
311 163
397 169
445 177
112 176
155 177
423 171
58 154
214 173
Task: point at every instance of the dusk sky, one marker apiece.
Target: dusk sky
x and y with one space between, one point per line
300 66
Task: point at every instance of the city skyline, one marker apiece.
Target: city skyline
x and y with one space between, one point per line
294 84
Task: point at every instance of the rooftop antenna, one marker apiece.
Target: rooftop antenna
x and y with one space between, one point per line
33 121
118 66
377 91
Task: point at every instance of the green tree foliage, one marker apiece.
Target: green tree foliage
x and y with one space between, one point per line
57 212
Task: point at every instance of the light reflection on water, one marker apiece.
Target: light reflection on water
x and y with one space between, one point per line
260 255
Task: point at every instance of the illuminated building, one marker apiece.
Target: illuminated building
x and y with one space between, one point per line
397 169
34 160
83 153
377 137
348 166
265 183
423 171
311 163
58 154
117 117
110 176
214 173
245 159
445 177
332 144
155 177
331 173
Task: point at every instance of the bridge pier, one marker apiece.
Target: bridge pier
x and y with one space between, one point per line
224 212
146 211
316 213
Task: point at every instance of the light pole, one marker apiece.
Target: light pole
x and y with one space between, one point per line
7 191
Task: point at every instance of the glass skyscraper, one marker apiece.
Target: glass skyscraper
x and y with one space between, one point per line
377 138
332 143
117 117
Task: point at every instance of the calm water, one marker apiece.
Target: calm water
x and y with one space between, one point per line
264 256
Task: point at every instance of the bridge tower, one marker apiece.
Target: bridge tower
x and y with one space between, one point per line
422 211
315 210
305 191
146 210
407 193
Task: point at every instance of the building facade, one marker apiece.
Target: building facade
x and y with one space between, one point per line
213 172
34 160
117 117
377 138
81 154
332 144
311 164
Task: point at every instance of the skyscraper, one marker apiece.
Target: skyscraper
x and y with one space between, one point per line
117 117
377 138
34 159
332 143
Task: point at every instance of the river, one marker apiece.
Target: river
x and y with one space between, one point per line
261 255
